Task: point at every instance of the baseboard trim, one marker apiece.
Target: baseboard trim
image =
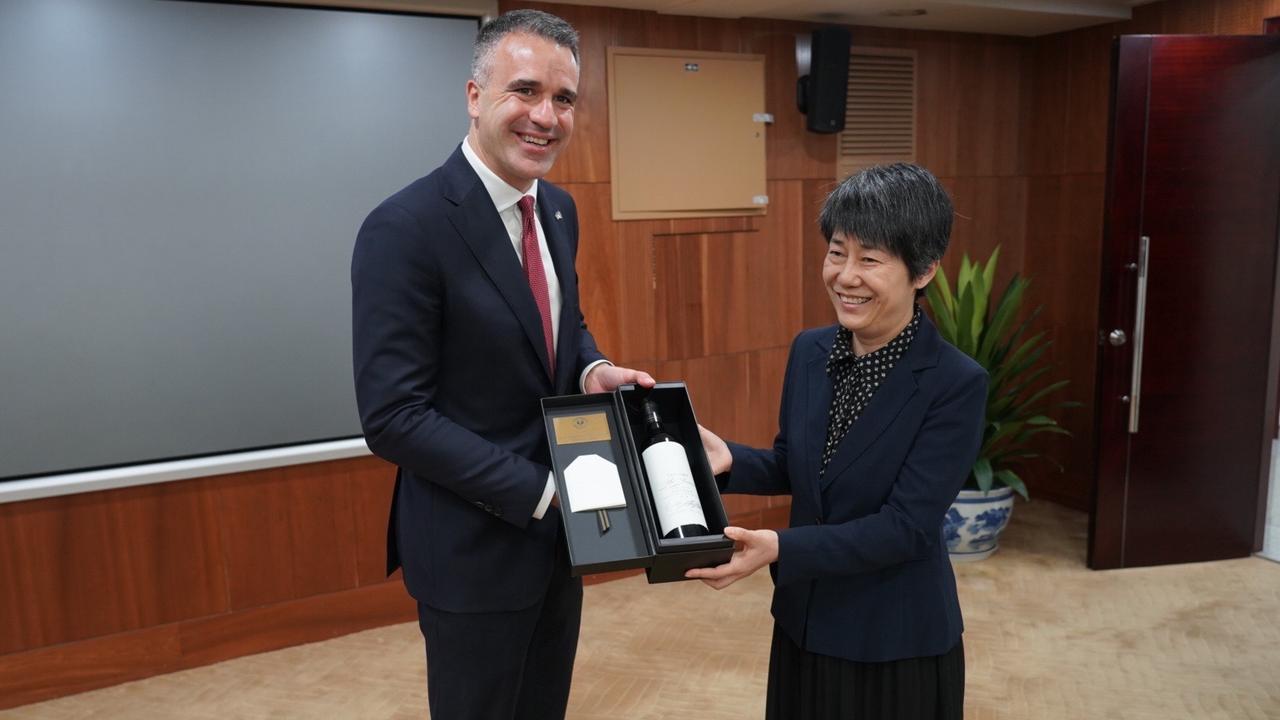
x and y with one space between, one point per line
46 673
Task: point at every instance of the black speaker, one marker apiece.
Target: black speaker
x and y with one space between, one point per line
821 93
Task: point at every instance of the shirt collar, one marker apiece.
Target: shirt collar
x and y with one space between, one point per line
842 348
503 195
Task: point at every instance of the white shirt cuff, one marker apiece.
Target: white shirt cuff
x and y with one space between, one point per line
548 493
582 379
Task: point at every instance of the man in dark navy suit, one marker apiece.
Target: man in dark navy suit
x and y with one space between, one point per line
465 314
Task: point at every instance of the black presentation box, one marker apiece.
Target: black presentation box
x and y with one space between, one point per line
611 425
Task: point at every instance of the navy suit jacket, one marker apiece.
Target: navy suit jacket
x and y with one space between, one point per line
450 365
863 572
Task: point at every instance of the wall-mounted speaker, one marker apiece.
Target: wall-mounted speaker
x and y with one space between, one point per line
820 92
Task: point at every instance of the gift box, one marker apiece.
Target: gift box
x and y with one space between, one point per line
594 437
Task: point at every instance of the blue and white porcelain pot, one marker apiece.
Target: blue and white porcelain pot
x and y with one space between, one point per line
974 521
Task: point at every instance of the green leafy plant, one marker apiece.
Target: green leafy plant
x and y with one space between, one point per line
1018 404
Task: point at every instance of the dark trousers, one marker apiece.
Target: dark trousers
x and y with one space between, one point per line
504 666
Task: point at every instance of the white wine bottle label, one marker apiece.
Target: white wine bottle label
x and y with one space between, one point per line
671 482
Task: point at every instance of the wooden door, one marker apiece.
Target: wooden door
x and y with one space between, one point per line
1186 400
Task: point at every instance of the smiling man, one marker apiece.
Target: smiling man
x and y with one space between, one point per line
465 314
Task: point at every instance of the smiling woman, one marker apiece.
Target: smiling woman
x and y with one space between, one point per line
880 422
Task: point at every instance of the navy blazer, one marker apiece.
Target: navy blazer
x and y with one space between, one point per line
450 365
863 572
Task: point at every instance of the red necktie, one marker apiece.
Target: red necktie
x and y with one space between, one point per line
536 275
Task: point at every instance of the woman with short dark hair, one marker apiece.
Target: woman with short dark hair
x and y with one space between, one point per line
880 423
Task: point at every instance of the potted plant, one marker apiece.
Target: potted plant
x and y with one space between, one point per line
1018 404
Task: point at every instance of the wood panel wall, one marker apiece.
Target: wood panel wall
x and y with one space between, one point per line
105 587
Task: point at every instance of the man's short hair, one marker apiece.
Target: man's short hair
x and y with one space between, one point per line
532 22
899 208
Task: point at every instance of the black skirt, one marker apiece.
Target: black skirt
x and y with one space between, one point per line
808 686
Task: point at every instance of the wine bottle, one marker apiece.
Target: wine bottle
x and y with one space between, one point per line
671 481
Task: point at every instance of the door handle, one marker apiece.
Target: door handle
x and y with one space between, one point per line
1117 338
1139 328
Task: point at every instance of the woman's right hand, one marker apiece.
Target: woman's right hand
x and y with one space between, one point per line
717 451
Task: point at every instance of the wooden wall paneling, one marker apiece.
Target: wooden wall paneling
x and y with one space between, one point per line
719 387
253 509
673 32
1243 17
1028 95
306 619
682 32
287 533
1050 105
766 370
678 284
1147 19
322 529
730 301
157 555
816 310
1073 357
791 152
697 226
1190 18
989 211
600 271
48 672
640 321
18 629
687 274
731 292
371 481
1088 86
972 136
722 35
937 104
987 117
31 602
775 285
94 564
1063 257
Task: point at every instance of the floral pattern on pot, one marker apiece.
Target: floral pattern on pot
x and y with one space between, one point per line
972 525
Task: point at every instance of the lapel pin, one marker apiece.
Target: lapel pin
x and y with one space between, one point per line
559 216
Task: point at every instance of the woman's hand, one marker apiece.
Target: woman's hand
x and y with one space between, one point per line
717 451
755 549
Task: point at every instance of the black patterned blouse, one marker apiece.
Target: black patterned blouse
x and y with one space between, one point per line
855 378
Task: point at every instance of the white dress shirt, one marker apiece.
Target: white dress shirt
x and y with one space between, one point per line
505 199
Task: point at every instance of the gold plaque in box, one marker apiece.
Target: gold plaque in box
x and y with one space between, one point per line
581 428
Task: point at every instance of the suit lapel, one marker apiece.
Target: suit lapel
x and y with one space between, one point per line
477 222
818 398
553 227
887 403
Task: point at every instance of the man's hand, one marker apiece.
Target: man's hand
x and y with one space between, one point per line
606 378
717 451
755 549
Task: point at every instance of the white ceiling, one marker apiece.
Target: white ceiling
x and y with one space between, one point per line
1001 17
